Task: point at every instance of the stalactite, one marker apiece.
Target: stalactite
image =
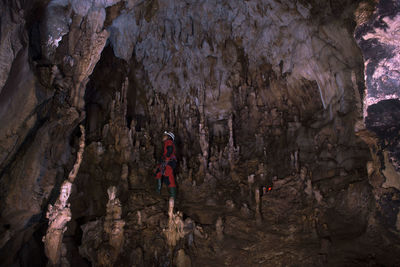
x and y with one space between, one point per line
84 62
60 214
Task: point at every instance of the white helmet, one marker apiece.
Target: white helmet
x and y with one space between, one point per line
170 134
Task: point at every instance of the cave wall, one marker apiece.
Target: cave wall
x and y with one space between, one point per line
257 92
50 95
377 38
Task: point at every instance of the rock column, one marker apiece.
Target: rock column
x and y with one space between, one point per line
60 214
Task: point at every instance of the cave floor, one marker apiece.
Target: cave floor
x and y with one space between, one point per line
275 241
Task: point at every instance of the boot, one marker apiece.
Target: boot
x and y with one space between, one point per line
172 192
158 188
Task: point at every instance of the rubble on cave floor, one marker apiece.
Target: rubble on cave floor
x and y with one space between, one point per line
215 234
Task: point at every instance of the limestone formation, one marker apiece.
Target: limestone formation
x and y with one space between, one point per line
233 151
59 214
175 230
103 239
203 139
299 98
219 226
183 260
258 206
113 228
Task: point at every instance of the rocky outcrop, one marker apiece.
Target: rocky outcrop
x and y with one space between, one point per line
42 105
377 35
378 39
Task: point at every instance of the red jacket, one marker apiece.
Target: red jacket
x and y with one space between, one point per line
169 150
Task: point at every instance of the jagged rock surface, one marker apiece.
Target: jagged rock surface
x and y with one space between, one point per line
258 93
378 37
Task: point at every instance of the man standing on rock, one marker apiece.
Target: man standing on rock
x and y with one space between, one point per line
165 170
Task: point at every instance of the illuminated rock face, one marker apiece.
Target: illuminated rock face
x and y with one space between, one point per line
180 50
297 97
379 39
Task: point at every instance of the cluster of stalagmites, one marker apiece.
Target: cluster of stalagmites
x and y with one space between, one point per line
266 97
119 236
103 239
209 157
204 164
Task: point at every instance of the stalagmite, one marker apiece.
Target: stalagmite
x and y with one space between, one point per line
398 221
175 230
230 204
171 204
250 181
245 211
233 151
114 225
294 159
118 127
60 214
203 132
231 144
370 168
219 226
258 206
139 218
183 260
